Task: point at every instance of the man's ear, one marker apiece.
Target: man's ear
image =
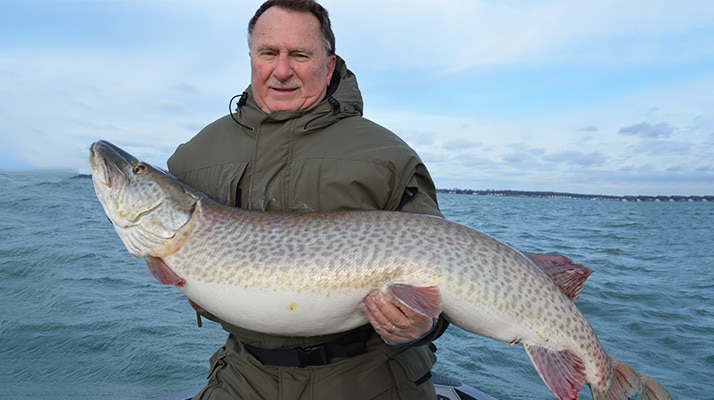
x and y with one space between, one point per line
331 63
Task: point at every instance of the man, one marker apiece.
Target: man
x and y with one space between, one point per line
298 142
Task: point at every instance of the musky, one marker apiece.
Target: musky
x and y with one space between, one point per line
600 97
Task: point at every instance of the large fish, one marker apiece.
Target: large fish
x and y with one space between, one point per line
307 274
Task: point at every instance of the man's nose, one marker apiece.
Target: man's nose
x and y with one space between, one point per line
283 69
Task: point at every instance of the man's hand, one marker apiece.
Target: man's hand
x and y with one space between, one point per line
393 321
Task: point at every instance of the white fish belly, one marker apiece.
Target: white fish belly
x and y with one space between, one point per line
480 318
277 312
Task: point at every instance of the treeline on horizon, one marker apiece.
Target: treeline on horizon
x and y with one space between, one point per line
556 195
559 195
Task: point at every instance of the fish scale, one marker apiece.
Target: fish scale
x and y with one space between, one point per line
307 274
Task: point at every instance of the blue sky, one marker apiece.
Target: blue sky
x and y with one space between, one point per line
603 97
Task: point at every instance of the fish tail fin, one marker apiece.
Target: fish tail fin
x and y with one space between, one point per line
562 371
654 390
424 300
628 384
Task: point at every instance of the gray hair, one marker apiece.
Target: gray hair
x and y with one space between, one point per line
311 6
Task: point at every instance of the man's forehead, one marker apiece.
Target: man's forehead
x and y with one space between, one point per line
294 30
277 16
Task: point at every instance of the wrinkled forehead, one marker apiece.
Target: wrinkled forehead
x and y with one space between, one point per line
279 28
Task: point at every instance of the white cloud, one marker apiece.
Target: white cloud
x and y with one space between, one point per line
648 130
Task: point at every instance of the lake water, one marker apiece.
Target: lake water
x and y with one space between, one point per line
81 318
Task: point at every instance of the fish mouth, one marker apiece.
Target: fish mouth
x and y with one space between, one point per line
107 162
98 167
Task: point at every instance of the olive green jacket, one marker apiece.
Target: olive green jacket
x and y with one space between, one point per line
324 159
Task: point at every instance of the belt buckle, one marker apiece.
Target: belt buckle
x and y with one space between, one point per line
317 355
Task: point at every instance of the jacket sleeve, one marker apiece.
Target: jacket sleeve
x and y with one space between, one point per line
419 192
439 328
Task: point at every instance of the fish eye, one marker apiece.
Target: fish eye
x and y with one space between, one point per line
138 168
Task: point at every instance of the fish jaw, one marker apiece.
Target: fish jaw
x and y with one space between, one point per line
151 211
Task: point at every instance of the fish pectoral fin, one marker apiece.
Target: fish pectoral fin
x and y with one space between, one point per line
425 300
569 276
163 273
562 371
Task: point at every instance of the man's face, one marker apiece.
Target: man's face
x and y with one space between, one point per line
290 69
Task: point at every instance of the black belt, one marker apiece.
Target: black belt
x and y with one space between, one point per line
350 345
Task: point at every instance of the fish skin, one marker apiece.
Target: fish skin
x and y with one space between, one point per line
307 274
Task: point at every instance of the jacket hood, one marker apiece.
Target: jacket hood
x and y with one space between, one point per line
343 100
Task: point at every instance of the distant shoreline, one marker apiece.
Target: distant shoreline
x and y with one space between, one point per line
560 195
575 196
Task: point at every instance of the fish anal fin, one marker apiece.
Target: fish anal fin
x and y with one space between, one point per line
569 276
163 273
562 371
425 300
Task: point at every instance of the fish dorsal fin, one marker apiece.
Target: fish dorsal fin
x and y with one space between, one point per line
569 277
163 273
562 371
424 300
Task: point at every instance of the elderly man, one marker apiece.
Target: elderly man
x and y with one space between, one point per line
297 142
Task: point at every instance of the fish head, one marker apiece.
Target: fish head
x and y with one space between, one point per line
149 208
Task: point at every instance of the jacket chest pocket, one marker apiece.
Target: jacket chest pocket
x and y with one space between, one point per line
220 183
234 191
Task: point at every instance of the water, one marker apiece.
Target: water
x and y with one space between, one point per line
81 318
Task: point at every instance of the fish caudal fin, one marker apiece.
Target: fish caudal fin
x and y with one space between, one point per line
653 390
628 384
424 300
562 371
569 276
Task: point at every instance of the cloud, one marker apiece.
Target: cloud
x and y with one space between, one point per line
459 145
579 158
590 128
647 130
661 148
522 155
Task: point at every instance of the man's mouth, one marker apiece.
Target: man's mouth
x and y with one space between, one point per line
282 89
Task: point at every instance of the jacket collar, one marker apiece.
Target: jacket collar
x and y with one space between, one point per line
343 100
